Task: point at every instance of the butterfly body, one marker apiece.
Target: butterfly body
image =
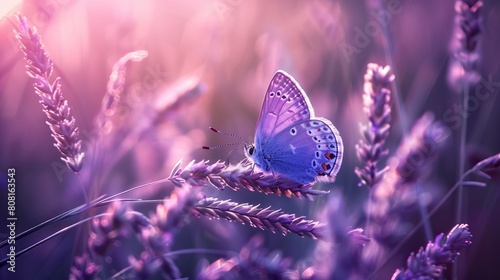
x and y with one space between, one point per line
290 140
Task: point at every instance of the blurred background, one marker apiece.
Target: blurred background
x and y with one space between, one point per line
209 64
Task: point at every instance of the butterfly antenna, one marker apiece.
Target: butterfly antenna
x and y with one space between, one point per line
225 145
220 146
227 134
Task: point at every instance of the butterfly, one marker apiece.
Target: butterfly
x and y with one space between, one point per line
290 140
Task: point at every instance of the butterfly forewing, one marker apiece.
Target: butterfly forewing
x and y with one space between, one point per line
285 103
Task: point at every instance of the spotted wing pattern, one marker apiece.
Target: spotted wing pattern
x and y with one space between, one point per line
285 103
290 140
306 151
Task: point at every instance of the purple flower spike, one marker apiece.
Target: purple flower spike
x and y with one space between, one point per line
220 176
61 122
253 262
468 30
262 218
430 262
376 105
114 89
84 268
395 194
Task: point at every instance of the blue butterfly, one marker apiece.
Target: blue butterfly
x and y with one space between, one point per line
290 140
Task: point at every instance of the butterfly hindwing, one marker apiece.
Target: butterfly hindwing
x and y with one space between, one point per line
285 103
308 150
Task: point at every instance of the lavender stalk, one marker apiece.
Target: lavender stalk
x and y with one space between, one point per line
487 164
467 39
118 224
430 262
253 262
396 193
262 218
84 268
114 89
466 42
376 106
60 121
220 176
338 257
154 233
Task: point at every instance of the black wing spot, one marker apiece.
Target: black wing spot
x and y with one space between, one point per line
326 166
330 156
271 94
318 154
314 163
293 131
278 93
283 97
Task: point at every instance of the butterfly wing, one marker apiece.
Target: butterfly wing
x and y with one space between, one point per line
306 151
284 104
289 140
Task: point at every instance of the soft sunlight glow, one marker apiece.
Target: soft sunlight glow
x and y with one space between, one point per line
7 5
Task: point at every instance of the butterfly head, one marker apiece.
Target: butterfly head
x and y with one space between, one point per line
258 158
250 151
